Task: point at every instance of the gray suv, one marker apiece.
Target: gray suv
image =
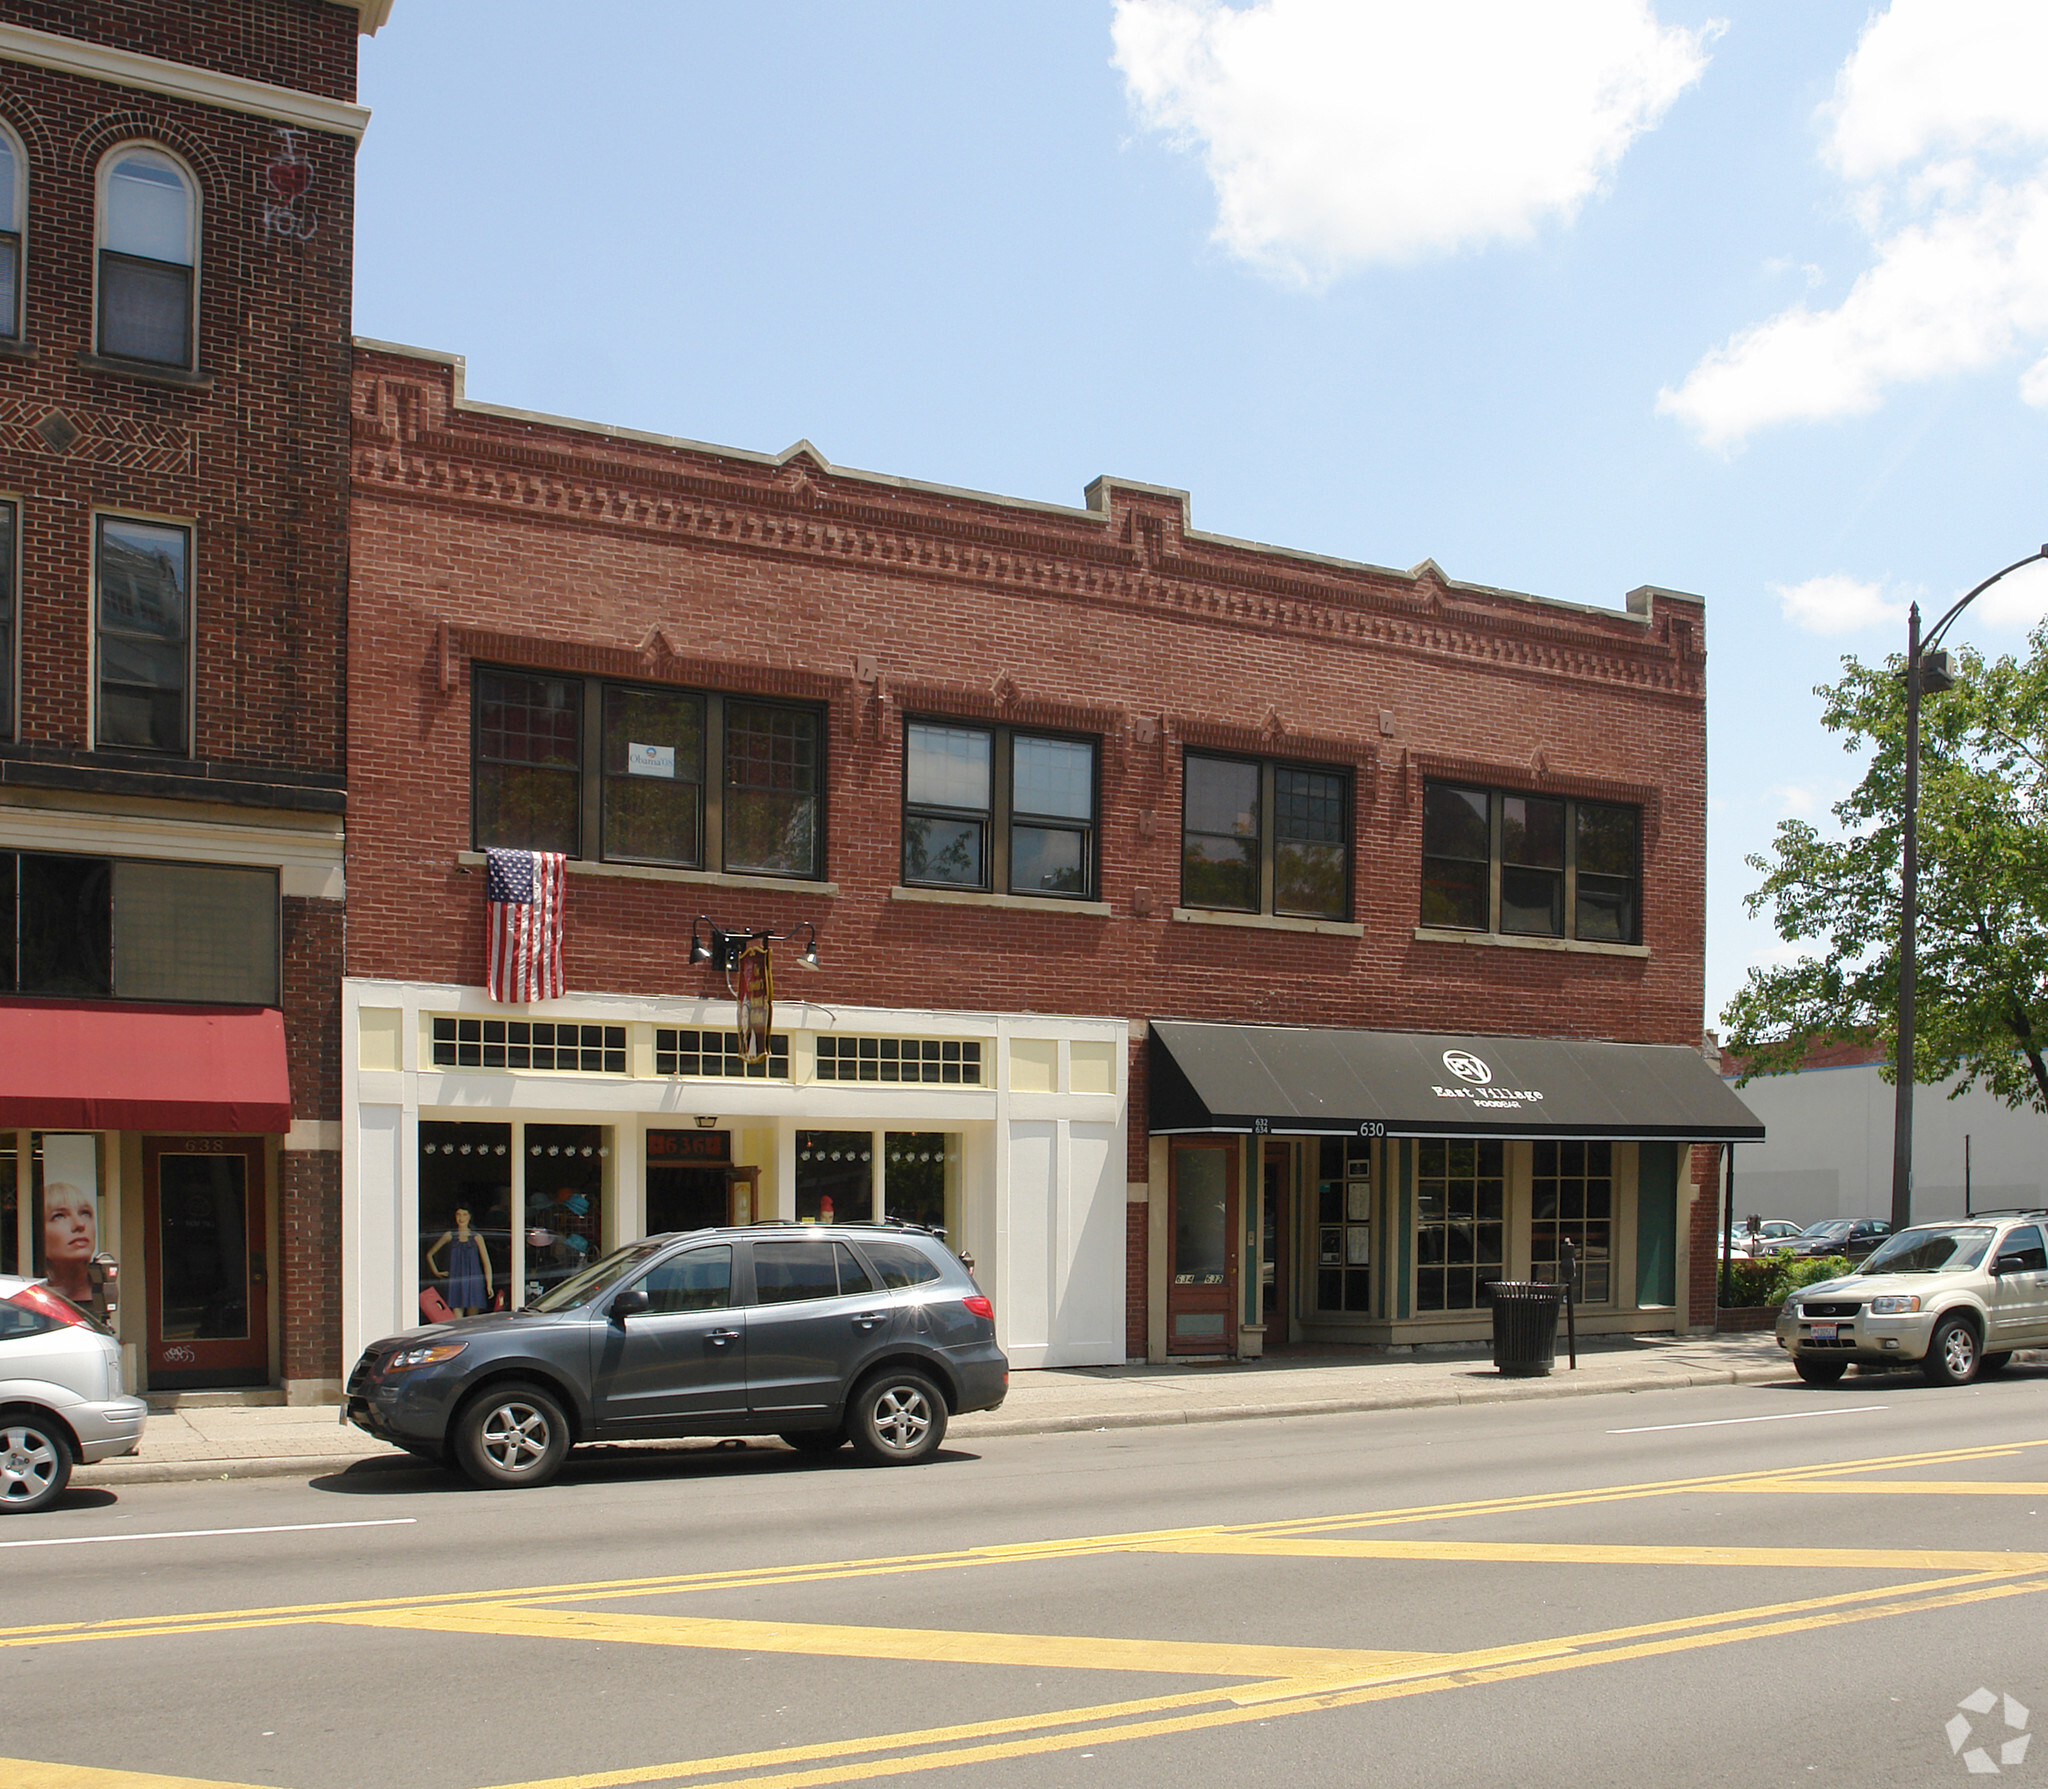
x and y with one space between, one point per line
1953 1298
821 1334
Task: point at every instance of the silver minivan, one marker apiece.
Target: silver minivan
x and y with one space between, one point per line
61 1401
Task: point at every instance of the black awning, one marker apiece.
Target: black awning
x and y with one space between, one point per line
1287 1080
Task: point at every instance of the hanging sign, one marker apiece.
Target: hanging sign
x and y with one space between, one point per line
754 989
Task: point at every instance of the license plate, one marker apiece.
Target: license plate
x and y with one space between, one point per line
1824 1332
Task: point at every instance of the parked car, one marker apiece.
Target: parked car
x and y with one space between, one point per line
1850 1237
819 1333
1957 1297
60 1394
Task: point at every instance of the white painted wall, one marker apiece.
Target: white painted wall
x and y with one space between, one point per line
1828 1149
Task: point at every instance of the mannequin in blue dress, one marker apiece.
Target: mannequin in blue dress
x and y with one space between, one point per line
469 1266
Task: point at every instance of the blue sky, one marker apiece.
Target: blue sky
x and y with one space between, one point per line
1747 300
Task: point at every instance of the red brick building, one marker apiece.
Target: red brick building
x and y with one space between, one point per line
176 190
1129 852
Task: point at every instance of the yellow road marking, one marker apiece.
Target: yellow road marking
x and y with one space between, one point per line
1869 1559
30 1773
1896 1487
940 1646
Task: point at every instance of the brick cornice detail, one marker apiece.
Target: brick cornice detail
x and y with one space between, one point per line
801 512
643 664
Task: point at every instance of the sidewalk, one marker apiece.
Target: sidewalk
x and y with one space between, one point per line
202 1441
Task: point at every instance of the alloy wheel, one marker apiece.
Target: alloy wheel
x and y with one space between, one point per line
515 1436
28 1464
903 1417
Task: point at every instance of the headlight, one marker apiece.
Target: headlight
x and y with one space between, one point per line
1893 1305
432 1355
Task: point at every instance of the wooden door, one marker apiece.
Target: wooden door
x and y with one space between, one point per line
207 1263
1201 1312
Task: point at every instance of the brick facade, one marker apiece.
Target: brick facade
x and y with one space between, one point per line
247 449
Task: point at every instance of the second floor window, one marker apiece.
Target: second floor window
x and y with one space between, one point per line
632 773
998 810
7 628
1531 866
143 625
1261 837
149 233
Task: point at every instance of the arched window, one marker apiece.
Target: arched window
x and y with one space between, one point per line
149 235
13 207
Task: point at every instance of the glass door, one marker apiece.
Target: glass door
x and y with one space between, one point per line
1201 1265
208 1265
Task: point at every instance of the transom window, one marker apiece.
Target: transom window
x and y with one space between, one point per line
634 774
13 196
996 809
149 232
143 623
1531 866
524 1043
717 1053
945 1062
1263 837
1460 1236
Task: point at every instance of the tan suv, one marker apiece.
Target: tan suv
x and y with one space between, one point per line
1955 1297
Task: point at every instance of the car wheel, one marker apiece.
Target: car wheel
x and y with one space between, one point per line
897 1418
815 1441
35 1463
511 1434
1820 1372
1952 1357
1994 1364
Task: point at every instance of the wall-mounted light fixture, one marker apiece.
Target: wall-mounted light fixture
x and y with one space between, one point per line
714 946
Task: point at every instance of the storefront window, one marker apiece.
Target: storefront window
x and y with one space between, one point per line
835 1177
465 1261
564 1227
1344 1226
1460 1189
10 1208
1571 1195
921 1178
686 1179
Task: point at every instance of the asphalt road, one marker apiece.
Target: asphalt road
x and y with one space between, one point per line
1743 1584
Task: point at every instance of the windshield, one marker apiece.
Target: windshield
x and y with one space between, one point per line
1942 1249
580 1288
1830 1227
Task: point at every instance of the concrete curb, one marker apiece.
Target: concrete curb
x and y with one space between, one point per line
111 1474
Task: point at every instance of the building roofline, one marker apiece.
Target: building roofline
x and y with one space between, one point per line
1639 602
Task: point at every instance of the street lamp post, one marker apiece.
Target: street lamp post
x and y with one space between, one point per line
1927 672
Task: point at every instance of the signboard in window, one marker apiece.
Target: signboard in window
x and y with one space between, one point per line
650 760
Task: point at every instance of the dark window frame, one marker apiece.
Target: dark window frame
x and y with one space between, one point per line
1002 817
592 777
1270 771
99 632
1496 864
10 619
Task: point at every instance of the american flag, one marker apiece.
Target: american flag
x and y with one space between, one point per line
523 925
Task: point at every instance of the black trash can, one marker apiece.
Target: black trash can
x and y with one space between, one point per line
1525 1327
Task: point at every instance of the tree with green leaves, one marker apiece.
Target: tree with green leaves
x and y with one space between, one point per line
1982 988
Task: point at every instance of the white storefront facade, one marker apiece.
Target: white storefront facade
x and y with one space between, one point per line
488 1149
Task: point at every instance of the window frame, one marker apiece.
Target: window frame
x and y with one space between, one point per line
14 228
1001 818
195 223
189 527
1497 796
1270 769
10 627
592 777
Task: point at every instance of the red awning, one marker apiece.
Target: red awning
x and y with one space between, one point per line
68 1065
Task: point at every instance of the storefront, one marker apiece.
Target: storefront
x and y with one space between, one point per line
145 1140
1327 1185
489 1150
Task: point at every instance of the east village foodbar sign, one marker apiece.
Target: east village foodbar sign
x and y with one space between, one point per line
1479 1088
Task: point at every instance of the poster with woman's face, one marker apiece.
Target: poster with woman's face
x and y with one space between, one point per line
67 1226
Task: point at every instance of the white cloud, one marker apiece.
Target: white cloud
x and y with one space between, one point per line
1341 132
2015 602
1938 123
1838 605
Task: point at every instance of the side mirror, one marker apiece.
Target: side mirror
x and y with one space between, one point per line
629 1303
2009 1264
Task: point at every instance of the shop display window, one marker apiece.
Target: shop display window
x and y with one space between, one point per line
1571 1196
1344 1226
921 1178
465 1240
1460 1235
10 1208
835 1177
686 1180
564 1222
